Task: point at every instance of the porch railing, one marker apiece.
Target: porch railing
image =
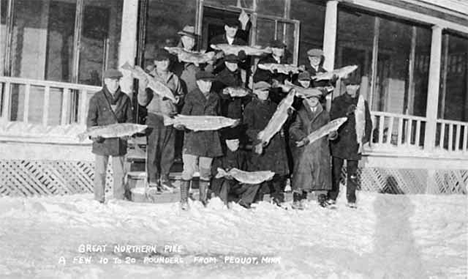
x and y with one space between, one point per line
44 102
452 135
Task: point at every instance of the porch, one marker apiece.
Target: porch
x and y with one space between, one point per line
40 153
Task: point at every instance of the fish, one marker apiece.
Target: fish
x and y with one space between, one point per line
237 91
158 87
201 122
194 57
360 119
246 177
281 68
326 129
277 120
235 49
341 73
299 90
112 131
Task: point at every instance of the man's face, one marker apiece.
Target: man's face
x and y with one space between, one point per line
279 52
233 144
352 89
314 60
305 83
204 85
162 65
188 42
112 84
230 31
232 66
312 101
262 94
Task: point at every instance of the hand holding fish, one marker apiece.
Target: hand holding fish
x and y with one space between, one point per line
304 141
351 109
333 135
97 139
259 148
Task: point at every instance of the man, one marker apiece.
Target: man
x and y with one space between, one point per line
161 138
202 146
226 187
106 107
346 146
272 157
186 71
316 60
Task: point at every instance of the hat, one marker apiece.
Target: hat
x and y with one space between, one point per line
112 73
261 85
232 22
351 80
303 76
277 44
315 52
162 54
188 31
202 75
231 58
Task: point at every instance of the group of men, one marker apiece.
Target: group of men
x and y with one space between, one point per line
199 90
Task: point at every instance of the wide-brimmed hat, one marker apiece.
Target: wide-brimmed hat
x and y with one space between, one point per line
189 31
112 73
277 44
202 75
315 52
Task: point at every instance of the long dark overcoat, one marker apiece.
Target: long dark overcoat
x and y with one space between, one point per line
202 143
346 146
312 169
100 113
256 116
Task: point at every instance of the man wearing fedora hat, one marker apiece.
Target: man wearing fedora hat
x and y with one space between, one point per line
106 107
184 70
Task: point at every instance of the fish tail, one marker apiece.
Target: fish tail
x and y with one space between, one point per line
221 173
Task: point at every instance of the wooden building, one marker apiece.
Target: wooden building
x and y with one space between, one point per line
412 55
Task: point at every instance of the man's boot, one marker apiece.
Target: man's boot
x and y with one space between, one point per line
297 198
203 187
184 193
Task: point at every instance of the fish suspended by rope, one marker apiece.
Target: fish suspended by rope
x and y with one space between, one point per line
112 131
194 57
325 130
201 122
246 177
340 73
158 87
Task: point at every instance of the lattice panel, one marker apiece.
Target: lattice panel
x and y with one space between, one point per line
32 178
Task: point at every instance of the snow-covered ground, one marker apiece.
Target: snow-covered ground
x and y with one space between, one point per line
388 236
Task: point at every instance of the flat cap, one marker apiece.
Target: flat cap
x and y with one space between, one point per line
112 73
277 44
261 85
161 54
315 52
231 58
351 80
232 22
202 75
303 76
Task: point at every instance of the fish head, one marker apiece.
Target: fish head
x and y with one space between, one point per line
213 46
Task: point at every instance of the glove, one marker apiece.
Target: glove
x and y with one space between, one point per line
242 55
303 142
180 127
333 135
351 109
98 139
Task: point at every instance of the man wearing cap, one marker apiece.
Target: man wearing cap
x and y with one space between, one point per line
312 168
227 188
202 146
106 107
346 146
272 157
316 60
184 70
160 140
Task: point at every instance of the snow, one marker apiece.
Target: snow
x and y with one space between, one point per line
388 236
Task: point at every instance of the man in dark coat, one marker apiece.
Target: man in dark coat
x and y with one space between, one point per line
272 157
316 60
106 107
202 146
312 170
346 146
226 187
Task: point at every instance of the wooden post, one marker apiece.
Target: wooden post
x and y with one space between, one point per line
329 40
433 89
128 42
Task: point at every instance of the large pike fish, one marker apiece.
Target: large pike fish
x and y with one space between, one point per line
201 122
277 120
158 87
235 49
246 177
194 57
112 131
237 91
360 119
300 91
281 68
326 129
341 73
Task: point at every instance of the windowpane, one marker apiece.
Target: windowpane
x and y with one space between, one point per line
271 7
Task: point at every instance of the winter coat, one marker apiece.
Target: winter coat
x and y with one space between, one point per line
320 83
257 114
186 73
100 113
156 104
230 107
312 169
202 143
346 146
